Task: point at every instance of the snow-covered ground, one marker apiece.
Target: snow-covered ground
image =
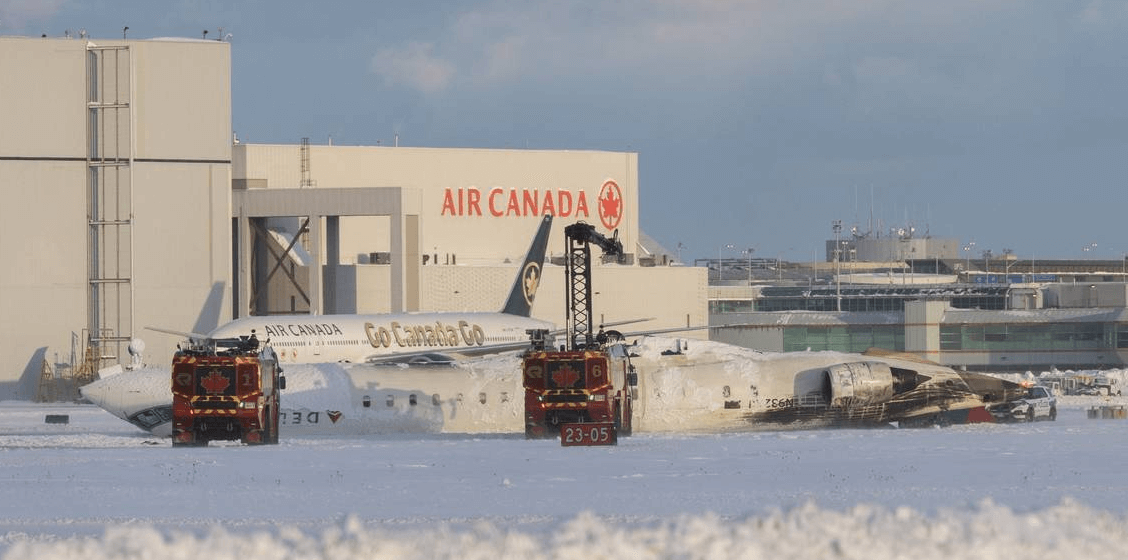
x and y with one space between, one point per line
100 488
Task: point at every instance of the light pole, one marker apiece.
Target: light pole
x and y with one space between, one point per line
748 252
852 261
720 260
967 254
837 226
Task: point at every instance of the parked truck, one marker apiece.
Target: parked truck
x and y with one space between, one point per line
226 389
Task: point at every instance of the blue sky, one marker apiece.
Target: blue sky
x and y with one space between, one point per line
757 123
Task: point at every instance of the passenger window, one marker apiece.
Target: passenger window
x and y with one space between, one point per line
482 398
435 400
411 399
391 400
367 401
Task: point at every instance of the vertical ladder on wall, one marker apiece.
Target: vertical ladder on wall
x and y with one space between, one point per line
109 194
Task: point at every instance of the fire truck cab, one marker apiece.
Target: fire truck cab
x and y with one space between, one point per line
226 389
588 386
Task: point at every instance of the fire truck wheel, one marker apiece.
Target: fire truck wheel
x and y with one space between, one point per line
626 420
271 434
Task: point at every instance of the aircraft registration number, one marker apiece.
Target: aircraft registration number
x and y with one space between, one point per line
599 433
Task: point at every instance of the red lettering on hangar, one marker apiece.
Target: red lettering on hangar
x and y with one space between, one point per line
499 202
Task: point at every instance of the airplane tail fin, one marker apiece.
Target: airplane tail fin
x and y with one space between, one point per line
528 279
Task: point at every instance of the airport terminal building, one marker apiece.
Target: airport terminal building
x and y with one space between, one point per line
1010 315
129 204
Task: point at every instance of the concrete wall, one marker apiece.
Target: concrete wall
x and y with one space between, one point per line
449 180
922 328
478 212
177 130
1087 294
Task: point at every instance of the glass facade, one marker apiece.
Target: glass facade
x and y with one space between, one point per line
861 299
1087 337
843 338
1035 337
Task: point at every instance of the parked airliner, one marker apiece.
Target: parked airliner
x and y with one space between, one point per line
401 337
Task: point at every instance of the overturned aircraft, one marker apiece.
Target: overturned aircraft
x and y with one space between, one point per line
683 385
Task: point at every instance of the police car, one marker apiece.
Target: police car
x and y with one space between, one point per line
1038 403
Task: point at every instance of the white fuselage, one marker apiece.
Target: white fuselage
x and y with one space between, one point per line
368 338
708 387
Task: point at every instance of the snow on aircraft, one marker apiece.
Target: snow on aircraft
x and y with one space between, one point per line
699 387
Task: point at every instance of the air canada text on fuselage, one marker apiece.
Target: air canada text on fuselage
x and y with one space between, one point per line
392 334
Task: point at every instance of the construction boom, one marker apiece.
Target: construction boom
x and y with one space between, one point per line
580 237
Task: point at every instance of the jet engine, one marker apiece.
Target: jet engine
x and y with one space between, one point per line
858 384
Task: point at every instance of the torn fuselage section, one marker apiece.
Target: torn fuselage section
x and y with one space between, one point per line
877 393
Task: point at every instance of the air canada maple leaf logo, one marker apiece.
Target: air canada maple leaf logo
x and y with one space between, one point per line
531 280
215 382
565 377
610 205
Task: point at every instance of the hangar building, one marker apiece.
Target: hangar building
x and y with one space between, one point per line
127 205
115 164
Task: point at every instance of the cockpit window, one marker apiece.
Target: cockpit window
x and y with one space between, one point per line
150 417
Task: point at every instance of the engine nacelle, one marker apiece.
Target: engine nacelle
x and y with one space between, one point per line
858 384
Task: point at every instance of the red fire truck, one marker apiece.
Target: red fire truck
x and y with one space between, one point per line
226 389
583 391
584 396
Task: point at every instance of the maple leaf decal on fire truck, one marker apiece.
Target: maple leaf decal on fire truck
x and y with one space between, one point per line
610 205
215 382
565 377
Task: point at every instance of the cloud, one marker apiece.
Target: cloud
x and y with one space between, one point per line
1100 13
413 66
15 14
939 73
496 43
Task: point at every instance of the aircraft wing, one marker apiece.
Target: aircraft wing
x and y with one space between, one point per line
197 337
663 331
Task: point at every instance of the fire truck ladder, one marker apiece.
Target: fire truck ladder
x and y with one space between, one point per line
580 235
